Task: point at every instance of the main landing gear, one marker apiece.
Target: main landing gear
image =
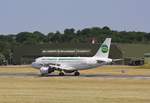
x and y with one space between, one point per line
76 73
61 73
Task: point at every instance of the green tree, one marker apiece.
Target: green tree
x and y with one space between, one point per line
50 37
56 38
68 35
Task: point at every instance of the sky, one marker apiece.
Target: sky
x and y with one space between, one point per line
52 15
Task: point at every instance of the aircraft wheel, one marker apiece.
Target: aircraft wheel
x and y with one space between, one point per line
76 73
61 74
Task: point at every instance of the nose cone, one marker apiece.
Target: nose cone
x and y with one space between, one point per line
36 65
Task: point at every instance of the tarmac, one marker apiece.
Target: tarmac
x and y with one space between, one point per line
103 76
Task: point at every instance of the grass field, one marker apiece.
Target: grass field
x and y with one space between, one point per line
75 89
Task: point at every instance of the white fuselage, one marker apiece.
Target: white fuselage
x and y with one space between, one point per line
72 63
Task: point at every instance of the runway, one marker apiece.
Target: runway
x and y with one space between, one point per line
103 76
19 75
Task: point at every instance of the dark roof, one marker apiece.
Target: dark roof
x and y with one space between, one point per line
134 50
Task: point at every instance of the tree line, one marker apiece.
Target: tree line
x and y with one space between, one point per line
8 42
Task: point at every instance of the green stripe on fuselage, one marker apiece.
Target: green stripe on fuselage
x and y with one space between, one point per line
60 58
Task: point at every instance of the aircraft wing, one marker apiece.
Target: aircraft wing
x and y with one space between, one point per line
63 67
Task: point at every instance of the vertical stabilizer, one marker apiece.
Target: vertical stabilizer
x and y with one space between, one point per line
103 51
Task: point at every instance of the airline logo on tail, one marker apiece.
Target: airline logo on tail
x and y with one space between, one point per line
103 51
104 48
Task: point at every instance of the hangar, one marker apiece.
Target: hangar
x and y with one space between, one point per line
133 54
27 53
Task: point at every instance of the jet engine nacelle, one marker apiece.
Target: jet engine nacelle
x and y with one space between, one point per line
46 70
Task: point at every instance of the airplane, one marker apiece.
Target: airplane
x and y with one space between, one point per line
64 65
